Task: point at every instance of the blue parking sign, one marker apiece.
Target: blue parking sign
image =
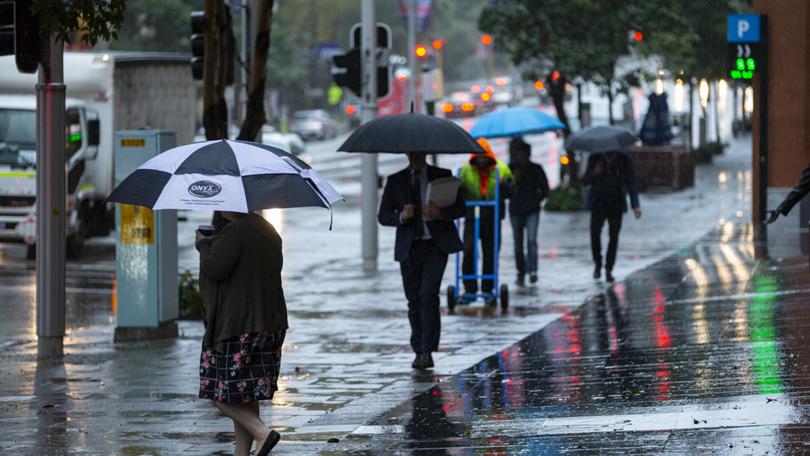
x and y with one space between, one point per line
743 28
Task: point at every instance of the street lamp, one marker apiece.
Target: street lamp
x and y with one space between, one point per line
703 92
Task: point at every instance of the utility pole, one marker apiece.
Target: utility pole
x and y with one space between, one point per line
51 203
411 52
368 58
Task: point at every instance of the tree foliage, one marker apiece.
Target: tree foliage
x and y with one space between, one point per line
96 19
156 25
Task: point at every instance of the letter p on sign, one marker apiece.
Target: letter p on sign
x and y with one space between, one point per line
743 28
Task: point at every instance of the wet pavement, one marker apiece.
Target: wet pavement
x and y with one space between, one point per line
345 370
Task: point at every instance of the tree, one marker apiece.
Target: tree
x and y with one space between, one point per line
155 25
95 19
215 69
255 115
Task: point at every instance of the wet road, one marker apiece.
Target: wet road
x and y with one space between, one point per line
703 353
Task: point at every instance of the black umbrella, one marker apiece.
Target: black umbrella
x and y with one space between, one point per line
411 132
601 139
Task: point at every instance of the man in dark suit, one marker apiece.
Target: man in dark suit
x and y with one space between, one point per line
426 235
796 194
611 176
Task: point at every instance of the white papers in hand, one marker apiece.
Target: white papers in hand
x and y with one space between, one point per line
443 191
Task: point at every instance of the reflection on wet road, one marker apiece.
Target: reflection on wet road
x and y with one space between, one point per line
703 353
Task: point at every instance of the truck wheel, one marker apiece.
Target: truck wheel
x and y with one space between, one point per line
74 246
504 297
451 297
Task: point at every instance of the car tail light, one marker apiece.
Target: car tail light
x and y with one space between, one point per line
467 107
447 107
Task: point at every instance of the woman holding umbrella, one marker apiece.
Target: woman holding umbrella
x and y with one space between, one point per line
240 266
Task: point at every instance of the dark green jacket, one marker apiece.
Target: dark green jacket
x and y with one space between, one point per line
240 280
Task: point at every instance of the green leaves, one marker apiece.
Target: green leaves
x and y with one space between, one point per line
95 19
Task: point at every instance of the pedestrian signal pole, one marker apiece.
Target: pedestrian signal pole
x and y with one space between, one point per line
368 51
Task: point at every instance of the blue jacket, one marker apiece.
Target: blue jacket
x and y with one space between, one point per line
610 188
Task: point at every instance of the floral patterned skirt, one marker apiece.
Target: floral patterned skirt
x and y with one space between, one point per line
247 370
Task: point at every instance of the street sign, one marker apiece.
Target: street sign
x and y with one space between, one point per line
743 28
744 36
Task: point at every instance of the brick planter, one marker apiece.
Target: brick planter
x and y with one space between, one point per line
669 167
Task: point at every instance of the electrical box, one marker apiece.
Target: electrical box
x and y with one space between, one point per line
145 248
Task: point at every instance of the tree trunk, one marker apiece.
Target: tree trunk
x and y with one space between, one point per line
215 111
611 120
255 115
557 92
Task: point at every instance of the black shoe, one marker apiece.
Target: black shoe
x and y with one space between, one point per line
427 361
519 281
609 275
417 362
597 273
272 440
533 277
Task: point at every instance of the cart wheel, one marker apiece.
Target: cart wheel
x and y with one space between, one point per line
451 297
504 297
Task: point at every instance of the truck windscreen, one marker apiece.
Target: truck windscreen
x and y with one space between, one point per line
18 128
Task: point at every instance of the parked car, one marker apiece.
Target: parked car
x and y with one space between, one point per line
289 142
460 104
313 124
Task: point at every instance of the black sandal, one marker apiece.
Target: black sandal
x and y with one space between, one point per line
269 443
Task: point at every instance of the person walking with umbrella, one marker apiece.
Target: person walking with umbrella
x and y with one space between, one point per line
426 234
531 188
478 177
611 177
240 266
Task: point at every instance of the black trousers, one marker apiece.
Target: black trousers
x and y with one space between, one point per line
613 216
488 251
422 275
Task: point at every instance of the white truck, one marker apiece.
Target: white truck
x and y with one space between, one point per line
105 92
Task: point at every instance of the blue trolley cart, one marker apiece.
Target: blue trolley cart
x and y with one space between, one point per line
499 293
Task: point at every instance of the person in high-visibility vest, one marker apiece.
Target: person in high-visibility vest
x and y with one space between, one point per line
478 181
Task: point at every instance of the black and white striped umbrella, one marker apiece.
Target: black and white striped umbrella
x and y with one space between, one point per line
223 175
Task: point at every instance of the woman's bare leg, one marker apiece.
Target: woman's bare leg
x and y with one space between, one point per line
244 440
246 415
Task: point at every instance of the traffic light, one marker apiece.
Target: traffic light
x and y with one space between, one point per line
347 71
486 39
421 51
437 44
197 43
555 75
6 28
27 39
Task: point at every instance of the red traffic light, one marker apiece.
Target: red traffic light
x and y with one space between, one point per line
421 51
437 44
555 75
638 37
486 39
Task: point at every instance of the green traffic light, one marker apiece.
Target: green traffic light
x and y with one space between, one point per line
741 64
751 64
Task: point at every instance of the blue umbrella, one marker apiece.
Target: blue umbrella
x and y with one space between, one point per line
514 122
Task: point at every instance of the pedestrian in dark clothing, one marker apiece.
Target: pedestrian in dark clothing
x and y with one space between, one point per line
796 194
611 177
245 324
530 189
426 235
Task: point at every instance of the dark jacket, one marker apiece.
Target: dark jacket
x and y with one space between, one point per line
240 280
610 188
397 194
530 189
797 193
